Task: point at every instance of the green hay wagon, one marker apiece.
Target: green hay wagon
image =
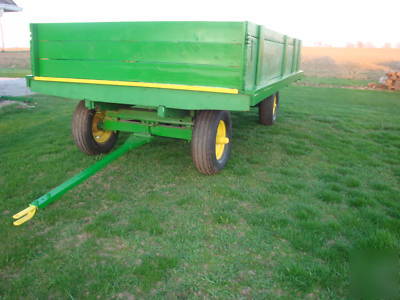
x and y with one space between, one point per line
170 79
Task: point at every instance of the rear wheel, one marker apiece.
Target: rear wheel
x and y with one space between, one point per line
211 140
268 109
87 132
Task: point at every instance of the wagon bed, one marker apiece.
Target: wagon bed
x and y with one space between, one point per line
183 65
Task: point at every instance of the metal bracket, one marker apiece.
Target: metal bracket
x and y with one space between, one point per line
89 104
165 112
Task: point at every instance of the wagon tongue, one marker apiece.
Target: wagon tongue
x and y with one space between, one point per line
133 141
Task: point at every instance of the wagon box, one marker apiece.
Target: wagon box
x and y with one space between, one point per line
171 79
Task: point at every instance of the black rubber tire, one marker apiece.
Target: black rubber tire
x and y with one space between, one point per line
266 110
82 132
203 140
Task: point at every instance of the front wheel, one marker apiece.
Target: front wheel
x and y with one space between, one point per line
88 135
211 140
268 109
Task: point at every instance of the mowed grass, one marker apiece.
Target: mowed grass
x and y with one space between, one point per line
332 82
282 220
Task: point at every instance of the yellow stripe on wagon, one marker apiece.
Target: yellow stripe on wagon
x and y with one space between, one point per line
142 84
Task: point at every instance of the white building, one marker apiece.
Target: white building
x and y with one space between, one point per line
6 6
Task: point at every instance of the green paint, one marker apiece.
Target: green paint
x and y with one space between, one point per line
274 87
284 55
180 132
251 55
54 194
149 116
150 97
207 75
150 122
165 112
34 50
89 104
298 56
239 55
184 133
126 126
193 53
161 111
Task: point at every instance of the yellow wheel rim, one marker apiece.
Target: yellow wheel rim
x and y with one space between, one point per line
221 140
99 135
275 105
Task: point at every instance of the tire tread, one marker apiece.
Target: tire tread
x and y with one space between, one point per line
202 153
82 135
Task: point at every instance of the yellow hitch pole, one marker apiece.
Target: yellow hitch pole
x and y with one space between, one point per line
25 215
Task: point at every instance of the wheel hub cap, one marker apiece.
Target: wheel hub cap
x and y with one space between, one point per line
275 105
221 140
99 135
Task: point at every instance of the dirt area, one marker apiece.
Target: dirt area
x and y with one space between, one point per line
366 58
354 63
19 104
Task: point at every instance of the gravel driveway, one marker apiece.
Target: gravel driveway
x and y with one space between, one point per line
13 87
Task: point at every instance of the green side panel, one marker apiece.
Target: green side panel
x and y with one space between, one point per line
195 53
251 62
252 29
240 55
271 61
289 59
274 65
270 58
222 32
212 53
143 72
152 97
298 56
34 50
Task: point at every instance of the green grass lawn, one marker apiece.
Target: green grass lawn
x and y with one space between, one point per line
283 220
333 82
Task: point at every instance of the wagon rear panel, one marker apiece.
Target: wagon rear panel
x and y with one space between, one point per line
278 57
272 62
